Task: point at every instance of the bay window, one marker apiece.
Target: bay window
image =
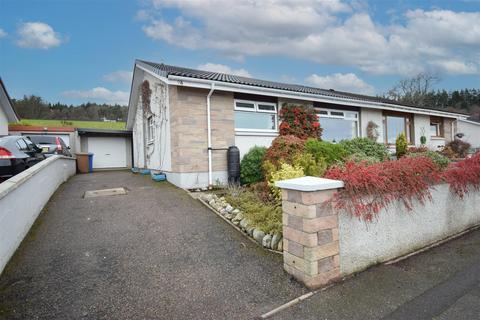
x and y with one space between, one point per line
396 123
338 124
255 116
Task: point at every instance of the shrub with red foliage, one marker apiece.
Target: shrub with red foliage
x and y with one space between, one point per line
284 149
371 188
464 175
299 121
417 149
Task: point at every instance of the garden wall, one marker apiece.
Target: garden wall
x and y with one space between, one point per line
322 244
23 197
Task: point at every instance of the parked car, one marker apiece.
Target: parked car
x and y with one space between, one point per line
17 153
51 145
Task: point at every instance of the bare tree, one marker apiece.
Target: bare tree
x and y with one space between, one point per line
414 90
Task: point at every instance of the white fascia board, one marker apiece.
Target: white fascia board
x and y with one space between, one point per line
225 86
471 122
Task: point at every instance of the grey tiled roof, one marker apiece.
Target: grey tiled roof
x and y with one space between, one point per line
167 70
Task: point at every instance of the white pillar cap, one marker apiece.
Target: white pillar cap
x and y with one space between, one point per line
309 184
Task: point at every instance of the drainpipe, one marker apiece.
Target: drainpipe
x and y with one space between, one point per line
209 136
452 129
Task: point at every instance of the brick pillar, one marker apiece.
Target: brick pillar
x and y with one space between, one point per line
310 230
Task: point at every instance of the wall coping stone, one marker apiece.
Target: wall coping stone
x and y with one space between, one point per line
309 183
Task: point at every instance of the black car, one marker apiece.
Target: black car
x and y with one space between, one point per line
17 153
51 145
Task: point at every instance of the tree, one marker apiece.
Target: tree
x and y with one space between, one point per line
414 91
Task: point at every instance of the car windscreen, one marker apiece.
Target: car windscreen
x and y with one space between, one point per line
43 139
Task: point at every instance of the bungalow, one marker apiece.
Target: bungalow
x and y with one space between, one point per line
7 112
183 119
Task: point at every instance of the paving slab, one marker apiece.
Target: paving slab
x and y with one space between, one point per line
154 253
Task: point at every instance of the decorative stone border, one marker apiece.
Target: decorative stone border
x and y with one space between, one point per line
234 217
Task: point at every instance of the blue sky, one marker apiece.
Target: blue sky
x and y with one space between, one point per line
76 51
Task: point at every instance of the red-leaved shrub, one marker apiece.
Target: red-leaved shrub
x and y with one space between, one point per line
299 121
464 175
284 149
371 188
417 149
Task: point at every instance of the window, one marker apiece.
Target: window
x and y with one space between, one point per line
396 123
150 129
436 127
338 125
22 145
255 116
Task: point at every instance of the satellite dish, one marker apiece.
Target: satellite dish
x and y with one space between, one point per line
460 135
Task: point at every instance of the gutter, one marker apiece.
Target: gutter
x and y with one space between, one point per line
209 135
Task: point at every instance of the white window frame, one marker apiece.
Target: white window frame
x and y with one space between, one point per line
344 117
150 130
257 110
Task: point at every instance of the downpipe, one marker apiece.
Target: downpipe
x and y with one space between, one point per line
209 136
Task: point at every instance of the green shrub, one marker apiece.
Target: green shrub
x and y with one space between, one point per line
330 152
265 216
365 147
310 166
401 145
286 171
360 157
251 165
436 157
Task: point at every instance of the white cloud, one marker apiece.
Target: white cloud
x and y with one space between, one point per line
221 68
38 35
119 76
327 32
98 94
341 82
3 34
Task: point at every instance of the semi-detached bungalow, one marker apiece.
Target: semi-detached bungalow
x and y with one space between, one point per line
193 116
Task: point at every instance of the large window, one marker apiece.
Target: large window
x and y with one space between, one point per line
396 123
255 116
338 125
150 129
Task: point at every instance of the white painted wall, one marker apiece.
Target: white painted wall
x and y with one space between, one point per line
36 184
156 155
367 115
471 131
397 232
3 123
245 142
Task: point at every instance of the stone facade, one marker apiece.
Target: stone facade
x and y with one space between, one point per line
310 233
188 121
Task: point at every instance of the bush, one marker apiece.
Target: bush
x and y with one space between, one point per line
251 165
371 188
464 175
310 166
284 149
299 121
365 147
459 147
286 171
440 160
265 216
330 152
401 145
360 157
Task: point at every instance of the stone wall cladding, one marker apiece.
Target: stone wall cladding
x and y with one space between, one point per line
188 116
310 231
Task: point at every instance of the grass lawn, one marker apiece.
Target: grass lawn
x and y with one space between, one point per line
73 123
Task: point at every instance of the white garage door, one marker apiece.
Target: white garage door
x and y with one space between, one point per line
108 152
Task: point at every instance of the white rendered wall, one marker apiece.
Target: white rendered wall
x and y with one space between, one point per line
471 132
36 185
246 142
3 123
397 232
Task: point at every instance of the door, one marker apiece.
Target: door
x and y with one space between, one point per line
108 152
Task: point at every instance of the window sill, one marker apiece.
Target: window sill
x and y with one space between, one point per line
437 138
256 133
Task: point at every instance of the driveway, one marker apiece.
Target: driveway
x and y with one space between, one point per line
154 253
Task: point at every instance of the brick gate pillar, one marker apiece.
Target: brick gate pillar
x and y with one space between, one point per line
310 230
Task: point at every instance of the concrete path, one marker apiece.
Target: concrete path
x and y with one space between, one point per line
440 284
154 253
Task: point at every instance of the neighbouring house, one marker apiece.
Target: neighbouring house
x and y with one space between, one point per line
469 130
7 112
183 119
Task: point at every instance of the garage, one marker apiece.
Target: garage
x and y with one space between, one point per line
112 149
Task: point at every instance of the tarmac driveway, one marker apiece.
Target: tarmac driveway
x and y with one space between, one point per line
154 253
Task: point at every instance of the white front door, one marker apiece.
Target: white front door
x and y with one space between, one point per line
108 152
